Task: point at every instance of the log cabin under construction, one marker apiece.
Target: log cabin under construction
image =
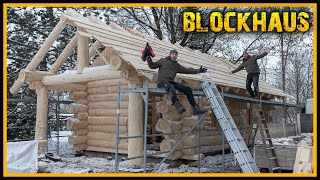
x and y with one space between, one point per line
94 89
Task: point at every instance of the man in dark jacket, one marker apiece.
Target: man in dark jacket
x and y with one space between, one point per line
168 68
253 70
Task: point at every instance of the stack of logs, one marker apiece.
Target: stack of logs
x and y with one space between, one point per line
94 125
208 134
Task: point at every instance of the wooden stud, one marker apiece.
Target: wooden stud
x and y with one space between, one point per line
83 53
42 115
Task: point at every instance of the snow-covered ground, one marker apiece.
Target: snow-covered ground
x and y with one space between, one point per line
304 138
84 164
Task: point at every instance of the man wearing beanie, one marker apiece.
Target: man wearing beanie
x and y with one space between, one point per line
168 69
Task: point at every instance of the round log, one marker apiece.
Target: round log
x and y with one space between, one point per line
108 112
43 143
204 140
78 95
108 105
81 115
107 128
67 51
29 76
79 132
16 86
46 45
107 97
68 87
77 139
42 114
123 144
104 136
166 126
73 123
105 120
203 149
79 147
175 155
114 89
162 107
174 136
99 90
173 115
129 75
82 101
107 83
135 123
168 144
75 107
72 77
117 63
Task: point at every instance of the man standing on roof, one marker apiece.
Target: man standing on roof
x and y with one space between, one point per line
253 70
168 69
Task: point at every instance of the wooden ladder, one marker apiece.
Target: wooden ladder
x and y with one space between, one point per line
268 146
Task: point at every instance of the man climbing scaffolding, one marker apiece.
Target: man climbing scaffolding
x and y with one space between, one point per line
168 69
253 71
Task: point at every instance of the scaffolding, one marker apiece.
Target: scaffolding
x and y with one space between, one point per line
57 118
146 91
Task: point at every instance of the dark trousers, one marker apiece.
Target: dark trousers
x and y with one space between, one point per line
171 89
253 78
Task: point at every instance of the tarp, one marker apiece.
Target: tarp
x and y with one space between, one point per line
22 157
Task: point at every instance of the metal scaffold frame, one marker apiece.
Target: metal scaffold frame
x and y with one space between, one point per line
57 102
145 92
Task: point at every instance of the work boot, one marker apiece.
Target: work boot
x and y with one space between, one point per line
179 107
196 110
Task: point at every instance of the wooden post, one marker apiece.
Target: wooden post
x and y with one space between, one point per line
83 53
42 116
135 124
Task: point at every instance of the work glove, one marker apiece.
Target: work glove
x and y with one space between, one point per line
202 70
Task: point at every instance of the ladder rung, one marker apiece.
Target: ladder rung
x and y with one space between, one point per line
270 147
273 158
